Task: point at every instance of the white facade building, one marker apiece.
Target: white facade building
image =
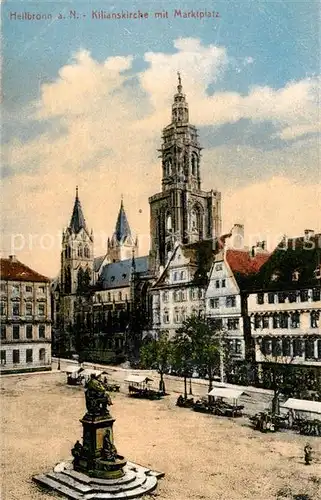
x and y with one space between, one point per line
179 292
25 318
224 307
284 306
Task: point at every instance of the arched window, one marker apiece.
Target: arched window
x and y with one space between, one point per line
120 297
168 166
67 280
168 222
194 220
80 251
194 164
86 252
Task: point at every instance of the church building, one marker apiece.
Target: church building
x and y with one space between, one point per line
106 303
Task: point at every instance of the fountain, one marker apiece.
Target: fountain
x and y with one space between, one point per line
97 470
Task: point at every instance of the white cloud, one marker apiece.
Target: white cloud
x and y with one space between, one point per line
104 135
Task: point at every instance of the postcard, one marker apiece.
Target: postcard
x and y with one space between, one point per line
141 141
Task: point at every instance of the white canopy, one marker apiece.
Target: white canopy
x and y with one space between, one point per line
138 379
73 369
303 405
90 371
224 392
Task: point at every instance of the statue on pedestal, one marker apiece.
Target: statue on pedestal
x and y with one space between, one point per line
97 455
97 398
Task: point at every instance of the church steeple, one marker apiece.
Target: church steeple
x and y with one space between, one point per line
180 106
180 150
122 242
122 229
77 254
182 212
77 221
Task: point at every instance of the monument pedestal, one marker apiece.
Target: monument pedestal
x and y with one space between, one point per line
97 456
97 471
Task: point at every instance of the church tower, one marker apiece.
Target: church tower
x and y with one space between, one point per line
77 260
182 212
122 244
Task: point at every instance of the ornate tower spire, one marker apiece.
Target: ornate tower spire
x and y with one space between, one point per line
182 212
180 106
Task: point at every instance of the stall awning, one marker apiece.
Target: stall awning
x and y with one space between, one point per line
138 379
223 392
88 372
303 405
73 369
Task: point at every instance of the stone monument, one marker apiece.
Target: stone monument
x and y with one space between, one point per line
97 456
97 471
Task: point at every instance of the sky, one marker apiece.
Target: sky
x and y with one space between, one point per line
84 102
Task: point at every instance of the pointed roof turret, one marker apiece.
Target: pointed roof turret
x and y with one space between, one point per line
122 229
77 221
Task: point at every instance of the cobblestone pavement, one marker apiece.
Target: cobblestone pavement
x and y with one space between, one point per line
203 456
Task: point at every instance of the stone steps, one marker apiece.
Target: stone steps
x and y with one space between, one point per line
74 485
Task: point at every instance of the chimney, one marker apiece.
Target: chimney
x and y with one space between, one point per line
260 247
237 238
308 233
12 258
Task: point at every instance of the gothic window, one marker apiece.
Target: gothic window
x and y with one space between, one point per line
168 222
195 220
194 164
80 251
86 252
67 280
68 252
168 167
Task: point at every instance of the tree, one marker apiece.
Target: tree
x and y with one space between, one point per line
206 345
156 354
182 355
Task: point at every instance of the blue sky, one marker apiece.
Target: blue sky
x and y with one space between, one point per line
260 82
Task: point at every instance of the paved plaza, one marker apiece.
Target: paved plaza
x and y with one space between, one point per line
203 456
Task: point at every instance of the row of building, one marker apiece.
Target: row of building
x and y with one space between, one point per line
267 304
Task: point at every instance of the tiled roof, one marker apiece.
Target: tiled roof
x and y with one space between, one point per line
13 270
117 274
241 261
300 256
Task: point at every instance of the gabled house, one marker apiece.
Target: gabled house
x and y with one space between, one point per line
180 289
284 305
224 301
